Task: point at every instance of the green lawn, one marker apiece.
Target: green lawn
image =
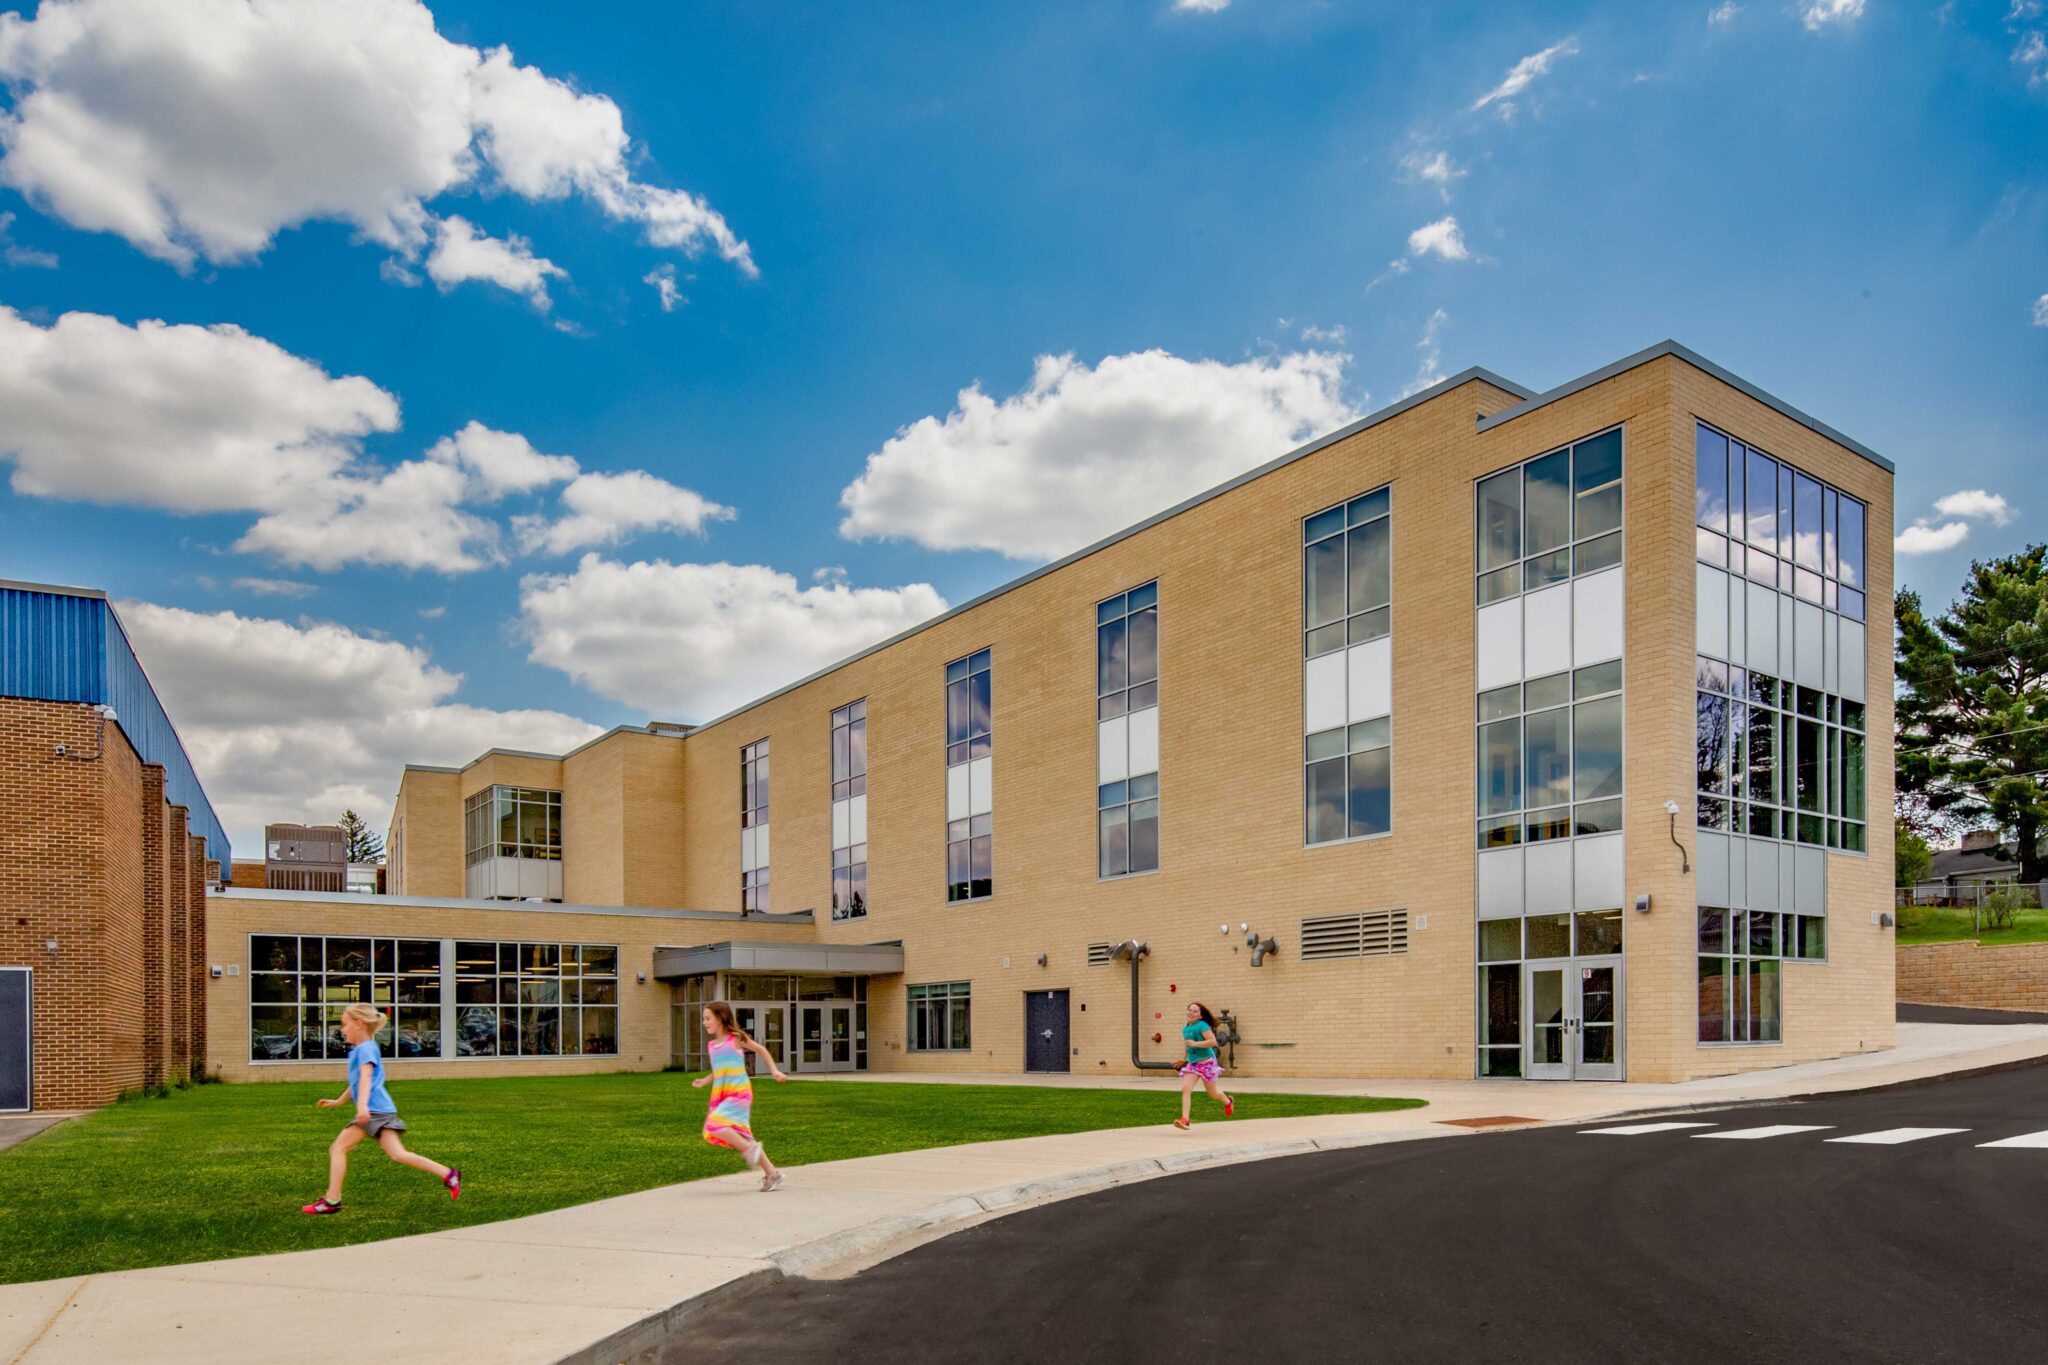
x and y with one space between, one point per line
1937 924
221 1170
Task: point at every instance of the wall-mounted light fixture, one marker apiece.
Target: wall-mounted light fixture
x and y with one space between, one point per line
1643 903
1684 858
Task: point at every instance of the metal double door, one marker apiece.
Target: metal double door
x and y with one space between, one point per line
1571 1023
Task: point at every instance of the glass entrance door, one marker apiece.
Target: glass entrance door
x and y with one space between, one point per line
1596 1054
825 1037
1549 1025
1573 1020
767 1025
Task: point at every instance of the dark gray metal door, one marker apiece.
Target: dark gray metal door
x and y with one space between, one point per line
17 992
1045 1031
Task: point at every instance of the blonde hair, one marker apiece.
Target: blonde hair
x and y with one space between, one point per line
365 1014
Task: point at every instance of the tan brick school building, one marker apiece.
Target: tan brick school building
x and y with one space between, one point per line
1497 734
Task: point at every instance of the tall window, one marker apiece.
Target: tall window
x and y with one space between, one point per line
536 999
754 828
1765 521
299 985
1127 732
1347 622
970 778
1550 757
1554 518
1779 734
1740 951
512 822
938 1017
850 811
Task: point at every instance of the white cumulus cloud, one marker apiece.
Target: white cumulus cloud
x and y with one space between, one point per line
462 253
1084 451
193 419
604 509
298 721
1819 14
2041 311
1441 239
500 462
694 640
1201 6
1525 72
1922 539
185 418
1974 504
201 129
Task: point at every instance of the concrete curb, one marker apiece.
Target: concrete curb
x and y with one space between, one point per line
1910 1083
864 1239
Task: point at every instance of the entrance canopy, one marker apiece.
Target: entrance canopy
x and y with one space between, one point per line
804 959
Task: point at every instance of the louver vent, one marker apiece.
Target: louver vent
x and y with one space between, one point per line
1098 954
1371 933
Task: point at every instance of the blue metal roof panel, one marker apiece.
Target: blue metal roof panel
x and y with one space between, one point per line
64 645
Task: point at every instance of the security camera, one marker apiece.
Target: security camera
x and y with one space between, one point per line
1671 808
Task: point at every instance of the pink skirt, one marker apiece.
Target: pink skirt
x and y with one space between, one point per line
1206 1069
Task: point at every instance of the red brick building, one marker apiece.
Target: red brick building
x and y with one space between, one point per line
107 848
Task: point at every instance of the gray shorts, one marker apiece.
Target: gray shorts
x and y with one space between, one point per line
380 1123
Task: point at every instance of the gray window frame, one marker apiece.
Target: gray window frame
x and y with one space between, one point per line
1357 629
938 998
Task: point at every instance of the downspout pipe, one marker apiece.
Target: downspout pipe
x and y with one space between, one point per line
1134 950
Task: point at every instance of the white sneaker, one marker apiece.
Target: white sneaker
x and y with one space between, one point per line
771 1182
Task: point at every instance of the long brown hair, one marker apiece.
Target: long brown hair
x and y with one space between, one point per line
726 1020
1207 1017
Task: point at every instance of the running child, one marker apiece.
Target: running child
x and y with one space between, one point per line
732 1094
376 1116
1200 1036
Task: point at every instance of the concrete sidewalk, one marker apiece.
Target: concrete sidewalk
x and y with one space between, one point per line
591 1283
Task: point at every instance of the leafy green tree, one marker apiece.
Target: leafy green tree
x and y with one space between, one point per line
1913 856
1973 703
364 845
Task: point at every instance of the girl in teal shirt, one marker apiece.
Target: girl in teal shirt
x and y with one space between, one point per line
1200 1036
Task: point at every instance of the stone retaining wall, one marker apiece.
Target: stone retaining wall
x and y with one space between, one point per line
2010 976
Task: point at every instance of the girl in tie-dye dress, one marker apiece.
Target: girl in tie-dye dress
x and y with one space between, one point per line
732 1094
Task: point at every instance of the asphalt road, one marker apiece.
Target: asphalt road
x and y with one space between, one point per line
1532 1245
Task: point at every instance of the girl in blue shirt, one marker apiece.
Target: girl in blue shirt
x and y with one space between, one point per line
376 1116
1199 1036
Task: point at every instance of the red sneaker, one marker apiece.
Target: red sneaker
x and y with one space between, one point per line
453 1180
1229 1108
321 1205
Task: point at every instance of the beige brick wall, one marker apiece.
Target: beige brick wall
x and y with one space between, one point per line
426 824
2006 976
643 1008
1229 572
622 805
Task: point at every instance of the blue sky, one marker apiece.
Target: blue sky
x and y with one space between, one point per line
1842 202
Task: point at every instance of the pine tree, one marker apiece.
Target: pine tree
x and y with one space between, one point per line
364 846
1973 705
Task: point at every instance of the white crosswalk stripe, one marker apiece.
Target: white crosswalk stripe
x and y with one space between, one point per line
1768 1131
1892 1137
1637 1129
2023 1140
